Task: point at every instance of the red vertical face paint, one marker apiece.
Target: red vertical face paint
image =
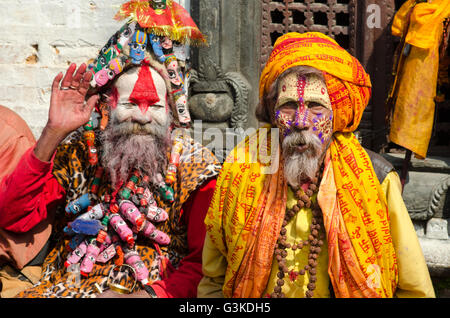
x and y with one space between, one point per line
144 92
301 84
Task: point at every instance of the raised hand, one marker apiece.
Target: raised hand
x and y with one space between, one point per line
68 109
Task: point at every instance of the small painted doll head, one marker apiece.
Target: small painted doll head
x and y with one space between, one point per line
107 74
125 34
104 56
159 4
166 43
155 42
182 109
138 45
173 70
179 50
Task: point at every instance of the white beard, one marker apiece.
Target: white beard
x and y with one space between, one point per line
129 146
301 166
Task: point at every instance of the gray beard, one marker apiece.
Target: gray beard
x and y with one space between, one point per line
301 166
129 146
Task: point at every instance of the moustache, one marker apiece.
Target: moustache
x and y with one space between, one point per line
134 128
301 143
306 139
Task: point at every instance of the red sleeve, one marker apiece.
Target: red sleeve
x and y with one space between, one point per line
26 194
183 282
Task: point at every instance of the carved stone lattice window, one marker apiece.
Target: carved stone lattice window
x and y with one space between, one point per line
334 18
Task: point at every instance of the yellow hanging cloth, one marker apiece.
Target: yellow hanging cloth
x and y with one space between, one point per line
412 120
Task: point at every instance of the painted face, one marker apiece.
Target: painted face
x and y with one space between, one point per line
303 103
114 68
125 34
159 4
106 54
138 46
100 63
157 48
111 42
166 43
142 97
179 50
182 109
173 70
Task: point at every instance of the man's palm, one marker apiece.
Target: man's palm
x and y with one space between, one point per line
68 109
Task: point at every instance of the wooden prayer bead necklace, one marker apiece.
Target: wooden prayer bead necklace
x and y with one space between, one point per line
315 241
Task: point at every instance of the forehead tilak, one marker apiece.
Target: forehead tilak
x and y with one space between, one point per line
295 87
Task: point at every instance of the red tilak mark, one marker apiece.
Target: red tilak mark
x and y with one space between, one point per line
301 84
144 92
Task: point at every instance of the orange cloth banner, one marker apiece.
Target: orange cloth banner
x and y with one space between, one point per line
362 259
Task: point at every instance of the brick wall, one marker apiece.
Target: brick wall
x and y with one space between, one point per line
38 39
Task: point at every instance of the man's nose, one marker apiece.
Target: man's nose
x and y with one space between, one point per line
302 118
142 115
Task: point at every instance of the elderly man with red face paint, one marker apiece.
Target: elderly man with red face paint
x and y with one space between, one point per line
132 188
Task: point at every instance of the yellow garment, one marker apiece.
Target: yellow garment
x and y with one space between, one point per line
297 230
425 24
414 279
412 120
365 261
240 221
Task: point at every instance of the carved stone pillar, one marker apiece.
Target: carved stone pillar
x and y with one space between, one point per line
224 89
374 47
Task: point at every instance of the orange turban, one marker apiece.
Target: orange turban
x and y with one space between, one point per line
348 84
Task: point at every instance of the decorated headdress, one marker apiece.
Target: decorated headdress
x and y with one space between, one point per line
163 18
156 31
348 84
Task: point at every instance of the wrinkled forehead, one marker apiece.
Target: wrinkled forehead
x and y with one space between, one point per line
126 82
296 87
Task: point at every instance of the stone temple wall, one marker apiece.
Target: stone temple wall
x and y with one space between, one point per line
38 39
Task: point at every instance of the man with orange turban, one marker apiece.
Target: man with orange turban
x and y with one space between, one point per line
301 209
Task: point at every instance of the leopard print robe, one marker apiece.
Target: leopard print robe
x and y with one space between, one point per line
72 170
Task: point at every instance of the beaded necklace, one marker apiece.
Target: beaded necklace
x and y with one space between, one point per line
315 240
